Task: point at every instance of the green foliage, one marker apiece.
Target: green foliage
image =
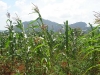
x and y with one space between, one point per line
47 52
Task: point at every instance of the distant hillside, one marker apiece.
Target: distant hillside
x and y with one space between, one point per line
51 25
55 26
2 30
81 25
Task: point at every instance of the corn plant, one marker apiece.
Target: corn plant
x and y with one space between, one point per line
43 52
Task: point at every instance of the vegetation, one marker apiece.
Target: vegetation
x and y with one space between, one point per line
47 52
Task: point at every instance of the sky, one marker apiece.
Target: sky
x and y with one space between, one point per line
55 10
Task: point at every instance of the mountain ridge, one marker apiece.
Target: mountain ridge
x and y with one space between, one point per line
53 25
56 26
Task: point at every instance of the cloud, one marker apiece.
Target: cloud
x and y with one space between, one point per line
56 10
48 1
53 10
62 10
25 8
72 10
3 10
3 6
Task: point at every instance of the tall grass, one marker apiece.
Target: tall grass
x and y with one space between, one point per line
47 52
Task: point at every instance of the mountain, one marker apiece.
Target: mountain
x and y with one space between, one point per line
81 25
2 30
54 26
51 25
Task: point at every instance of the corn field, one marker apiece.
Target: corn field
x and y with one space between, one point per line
49 53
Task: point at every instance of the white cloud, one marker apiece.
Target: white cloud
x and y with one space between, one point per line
3 10
65 9
56 10
48 1
71 10
3 6
20 3
25 9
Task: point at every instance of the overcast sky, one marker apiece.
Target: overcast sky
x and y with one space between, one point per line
54 10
